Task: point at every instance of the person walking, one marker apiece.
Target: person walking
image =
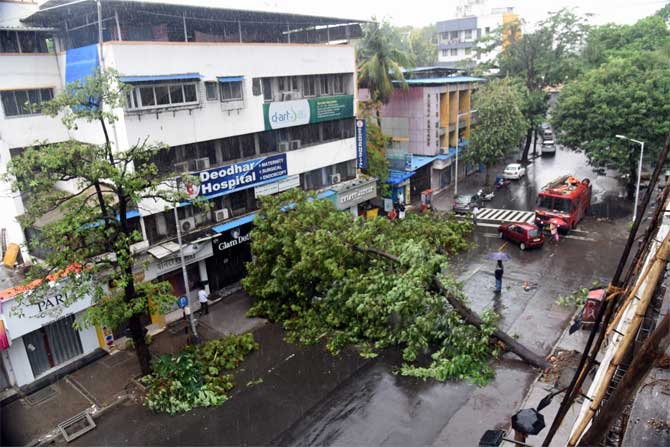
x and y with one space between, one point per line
475 211
499 275
203 298
553 228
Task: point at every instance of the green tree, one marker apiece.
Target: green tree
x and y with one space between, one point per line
423 45
89 245
548 56
623 96
380 62
500 123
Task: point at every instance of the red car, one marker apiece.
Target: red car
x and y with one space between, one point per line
525 234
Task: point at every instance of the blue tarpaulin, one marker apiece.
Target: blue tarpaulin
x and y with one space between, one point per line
80 63
170 77
396 177
230 78
234 223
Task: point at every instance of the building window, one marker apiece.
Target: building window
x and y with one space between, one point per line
453 52
444 36
468 51
256 86
468 34
309 86
212 90
162 95
325 85
23 42
338 84
231 91
267 89
454 35
445 53
24 102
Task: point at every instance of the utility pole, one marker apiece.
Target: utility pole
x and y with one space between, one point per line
187 288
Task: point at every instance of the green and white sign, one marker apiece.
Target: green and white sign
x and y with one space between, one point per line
278 115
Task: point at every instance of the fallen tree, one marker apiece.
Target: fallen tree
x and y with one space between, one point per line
314 272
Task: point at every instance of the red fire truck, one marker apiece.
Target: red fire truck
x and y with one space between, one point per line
563 201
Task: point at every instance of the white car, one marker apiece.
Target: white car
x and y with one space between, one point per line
514 171
548 147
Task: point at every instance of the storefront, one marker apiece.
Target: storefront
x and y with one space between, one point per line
399 183
43 339
354 194
232 250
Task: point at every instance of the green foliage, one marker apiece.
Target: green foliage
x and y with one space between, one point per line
380 60
194 377
311 273
576 298
500 123
378 164
625 96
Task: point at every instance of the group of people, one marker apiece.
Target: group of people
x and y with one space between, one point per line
553 230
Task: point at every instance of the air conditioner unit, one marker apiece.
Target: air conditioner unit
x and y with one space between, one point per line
335 178
187 224
294 144
221 214
181 167
201 164
283 146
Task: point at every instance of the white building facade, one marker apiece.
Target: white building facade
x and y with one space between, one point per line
269 95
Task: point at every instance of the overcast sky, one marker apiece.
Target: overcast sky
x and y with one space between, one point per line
423 12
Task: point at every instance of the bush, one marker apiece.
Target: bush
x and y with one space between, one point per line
194 377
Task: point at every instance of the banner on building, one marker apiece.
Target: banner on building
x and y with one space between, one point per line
361 145
238 176
232 238
278 115
277 187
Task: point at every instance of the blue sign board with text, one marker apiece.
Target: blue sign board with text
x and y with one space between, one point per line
182 302
361 145
245 174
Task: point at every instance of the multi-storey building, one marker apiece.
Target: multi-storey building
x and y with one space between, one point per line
429 122
457 37
226 90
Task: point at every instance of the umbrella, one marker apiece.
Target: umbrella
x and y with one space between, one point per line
528 421
499 256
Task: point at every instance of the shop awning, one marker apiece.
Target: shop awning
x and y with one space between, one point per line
419 161
164 250
4 340
230 78
397 177
234 223
170 77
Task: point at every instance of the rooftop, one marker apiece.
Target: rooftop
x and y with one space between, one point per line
11 14
441 81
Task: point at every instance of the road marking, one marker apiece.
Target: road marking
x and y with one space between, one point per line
502 247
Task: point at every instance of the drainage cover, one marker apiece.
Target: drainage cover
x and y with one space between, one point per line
41 396
76 426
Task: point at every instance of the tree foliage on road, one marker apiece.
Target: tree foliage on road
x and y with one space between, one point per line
625 92
500 123
316 273
87 245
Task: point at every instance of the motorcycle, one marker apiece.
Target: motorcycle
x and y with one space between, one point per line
482 196
501 182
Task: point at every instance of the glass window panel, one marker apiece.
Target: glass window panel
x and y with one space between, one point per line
22 102
248 145
147 96
325 85
34 100
27 41
338 84
9 104
256 86
176 94
267 89
235 90
212 91
190 93
162 95
47 94
8 42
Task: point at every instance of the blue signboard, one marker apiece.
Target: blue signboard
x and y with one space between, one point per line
182 301
361 145
242 175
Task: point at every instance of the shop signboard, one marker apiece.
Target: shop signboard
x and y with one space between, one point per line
232 238
281 114
238 176
361 145
277 187
359 194
196 252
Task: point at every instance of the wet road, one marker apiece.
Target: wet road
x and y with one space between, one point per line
377 407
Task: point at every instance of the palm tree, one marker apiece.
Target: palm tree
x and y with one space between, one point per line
380 62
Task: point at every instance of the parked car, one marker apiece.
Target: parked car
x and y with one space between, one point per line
525 234
464 204
514 171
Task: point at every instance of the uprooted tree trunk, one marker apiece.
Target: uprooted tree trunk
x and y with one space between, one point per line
471 317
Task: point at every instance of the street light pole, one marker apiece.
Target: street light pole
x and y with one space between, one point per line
639 171
187 288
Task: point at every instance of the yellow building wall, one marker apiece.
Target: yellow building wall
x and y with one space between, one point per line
467 103
509 19
453 115
444 118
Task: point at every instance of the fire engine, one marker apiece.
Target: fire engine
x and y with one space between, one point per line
563 201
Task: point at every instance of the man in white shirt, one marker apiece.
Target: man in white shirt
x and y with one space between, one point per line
204 304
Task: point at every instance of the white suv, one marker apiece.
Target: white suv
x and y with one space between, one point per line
514 171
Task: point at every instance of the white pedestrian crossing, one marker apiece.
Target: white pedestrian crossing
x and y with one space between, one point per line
498 215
